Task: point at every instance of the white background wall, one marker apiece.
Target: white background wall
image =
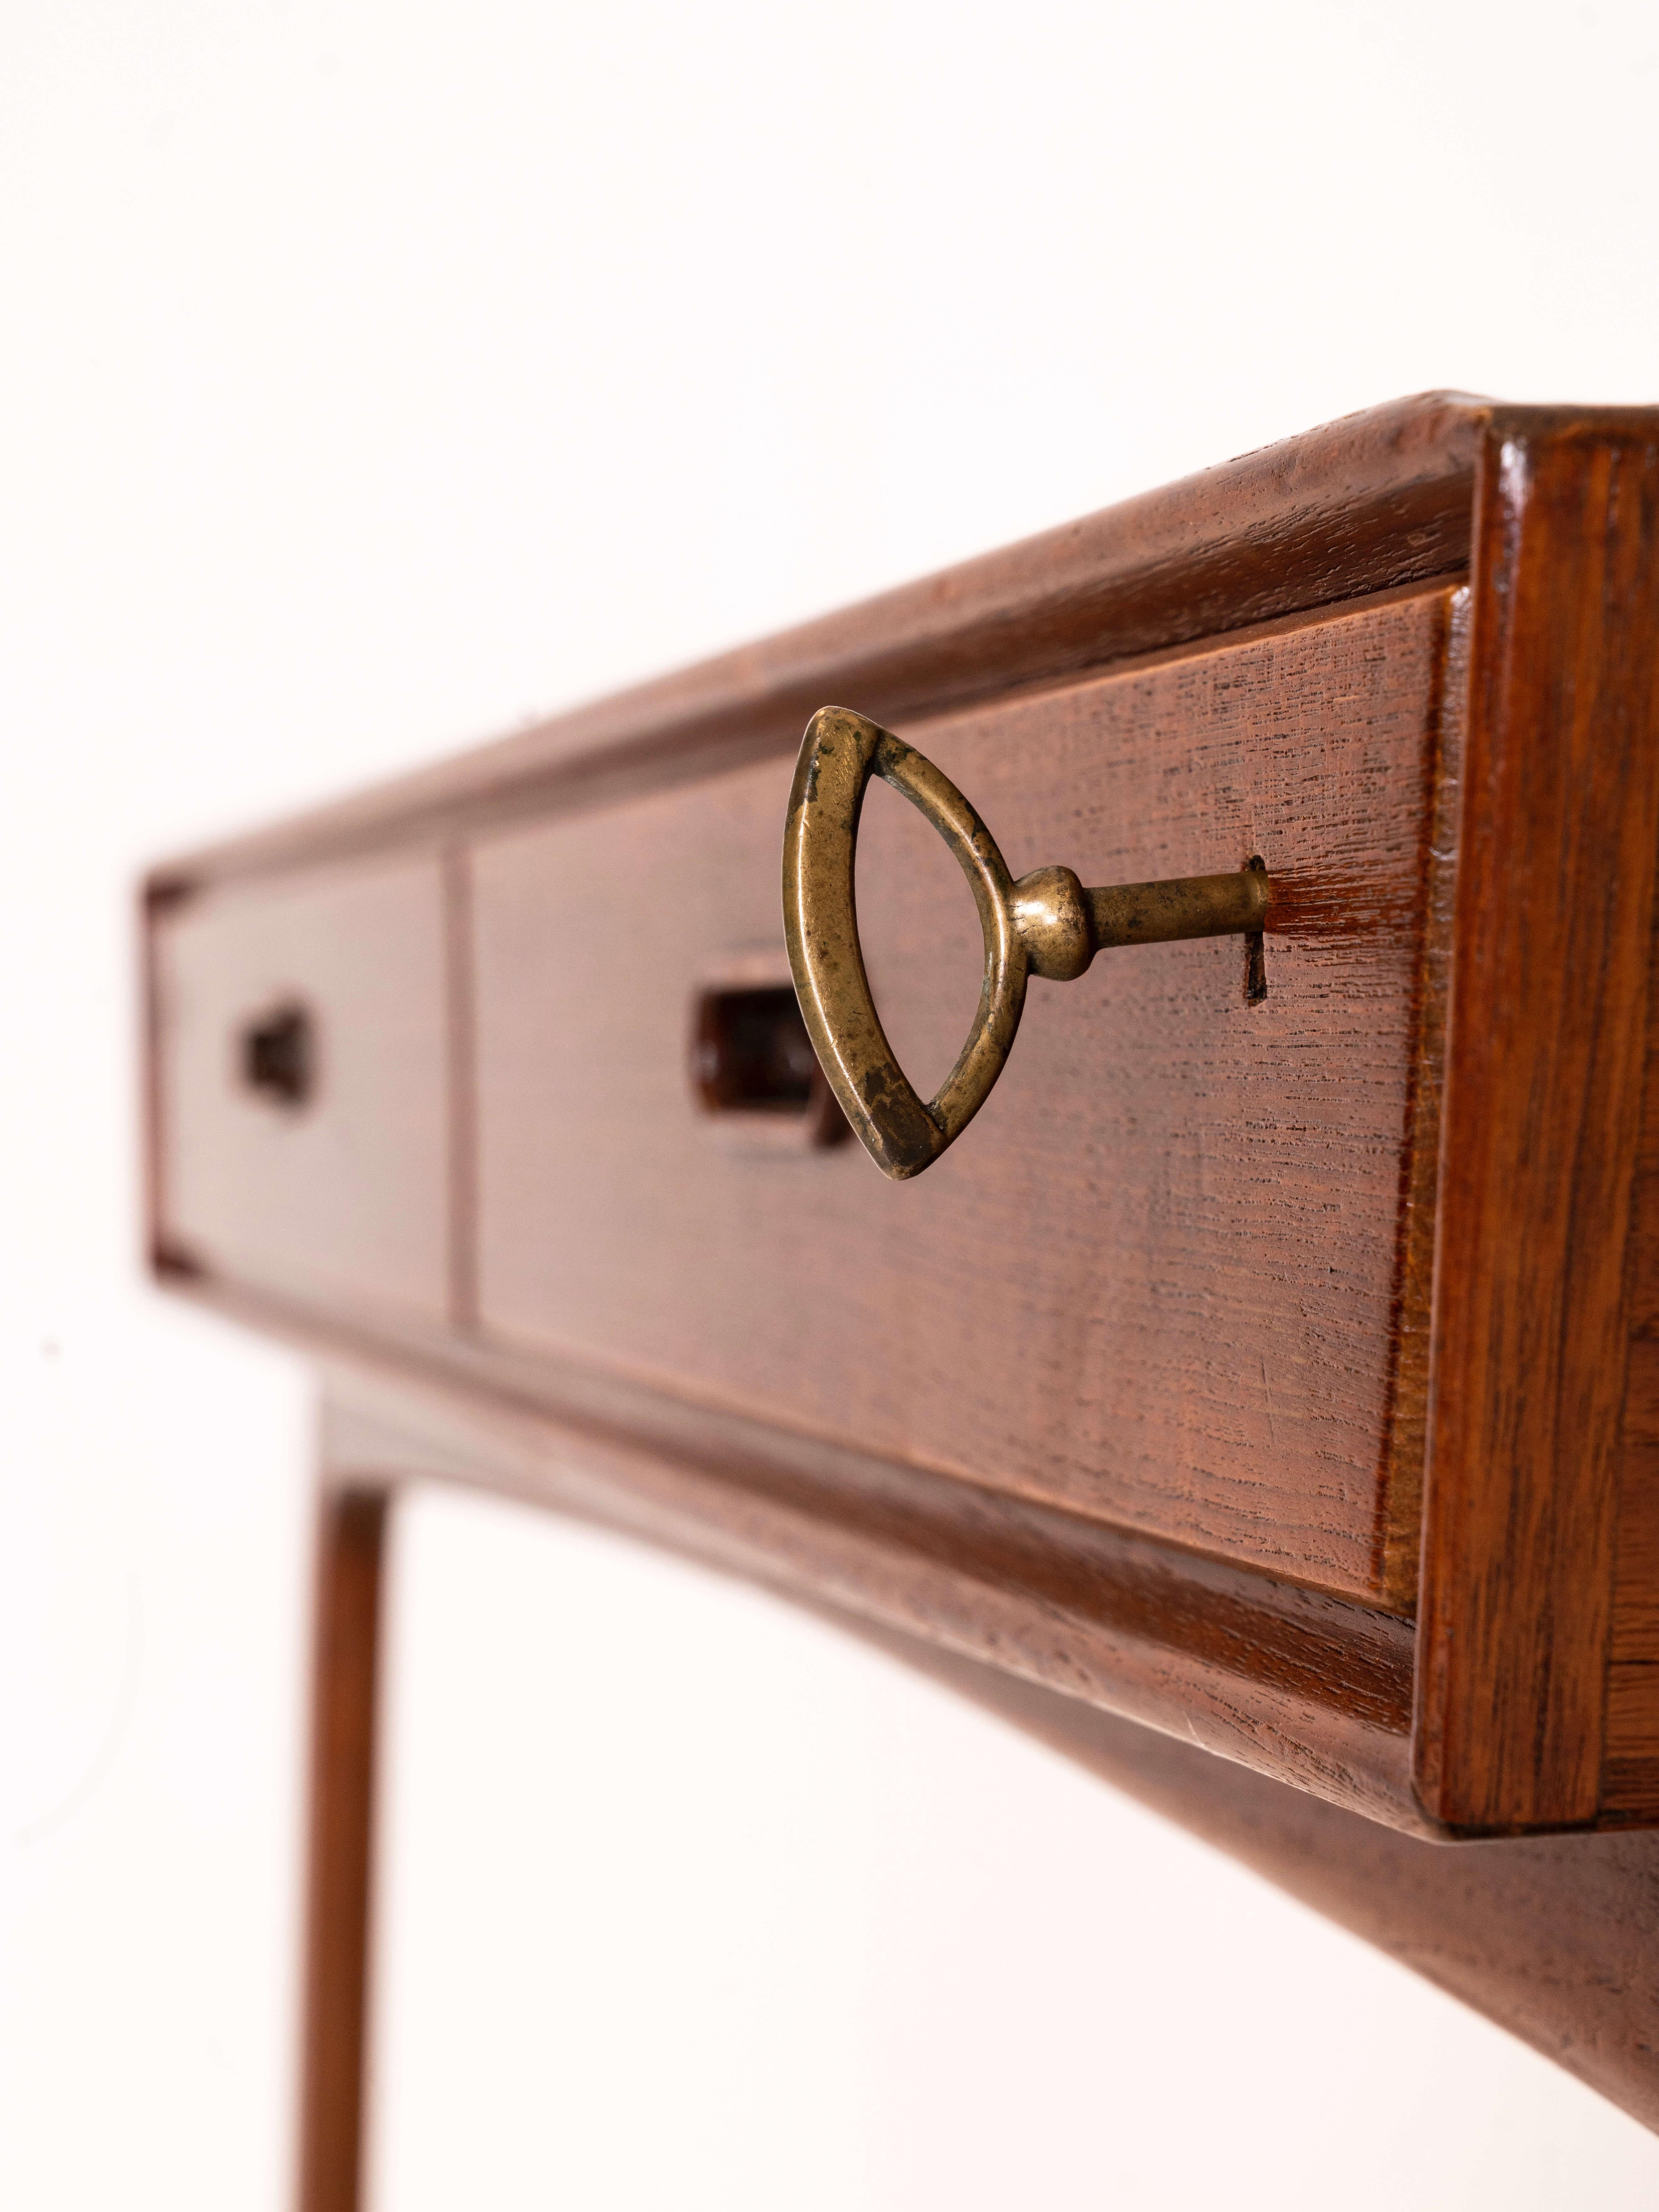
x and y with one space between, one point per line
374 375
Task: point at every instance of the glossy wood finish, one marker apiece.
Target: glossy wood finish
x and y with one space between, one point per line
1376 501
350 1548
1300 1685
1265 1271
1629 1765
1553 1937
1161 1284
1142 1406
1543 1098
341 1198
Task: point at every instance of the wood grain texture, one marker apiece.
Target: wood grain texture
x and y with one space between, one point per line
1134 1409
1630 1769
352 1537
1630 1766
1413 1332
1163 1279
1555 1938
1309 1688
1560 825
343 1199
1248 1342
1377 499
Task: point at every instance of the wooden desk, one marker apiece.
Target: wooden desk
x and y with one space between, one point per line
1272 1362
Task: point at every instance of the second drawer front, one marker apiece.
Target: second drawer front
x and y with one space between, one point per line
1162 1278
303 1044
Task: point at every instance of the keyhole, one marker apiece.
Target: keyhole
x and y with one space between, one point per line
278 1056
1255 950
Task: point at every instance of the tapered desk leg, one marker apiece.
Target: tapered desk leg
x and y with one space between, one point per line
351 1542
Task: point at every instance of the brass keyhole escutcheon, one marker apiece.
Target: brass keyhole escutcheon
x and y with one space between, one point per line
1045 924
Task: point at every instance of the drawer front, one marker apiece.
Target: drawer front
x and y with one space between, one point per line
303 1066
1165 1279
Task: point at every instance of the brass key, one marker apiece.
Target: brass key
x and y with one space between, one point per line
1045 924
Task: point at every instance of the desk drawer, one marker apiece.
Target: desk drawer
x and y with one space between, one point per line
1277 1369
302 1063
1166 1279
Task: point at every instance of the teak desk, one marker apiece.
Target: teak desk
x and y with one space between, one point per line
1273 1362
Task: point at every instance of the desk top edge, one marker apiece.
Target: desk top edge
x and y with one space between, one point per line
1372 501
